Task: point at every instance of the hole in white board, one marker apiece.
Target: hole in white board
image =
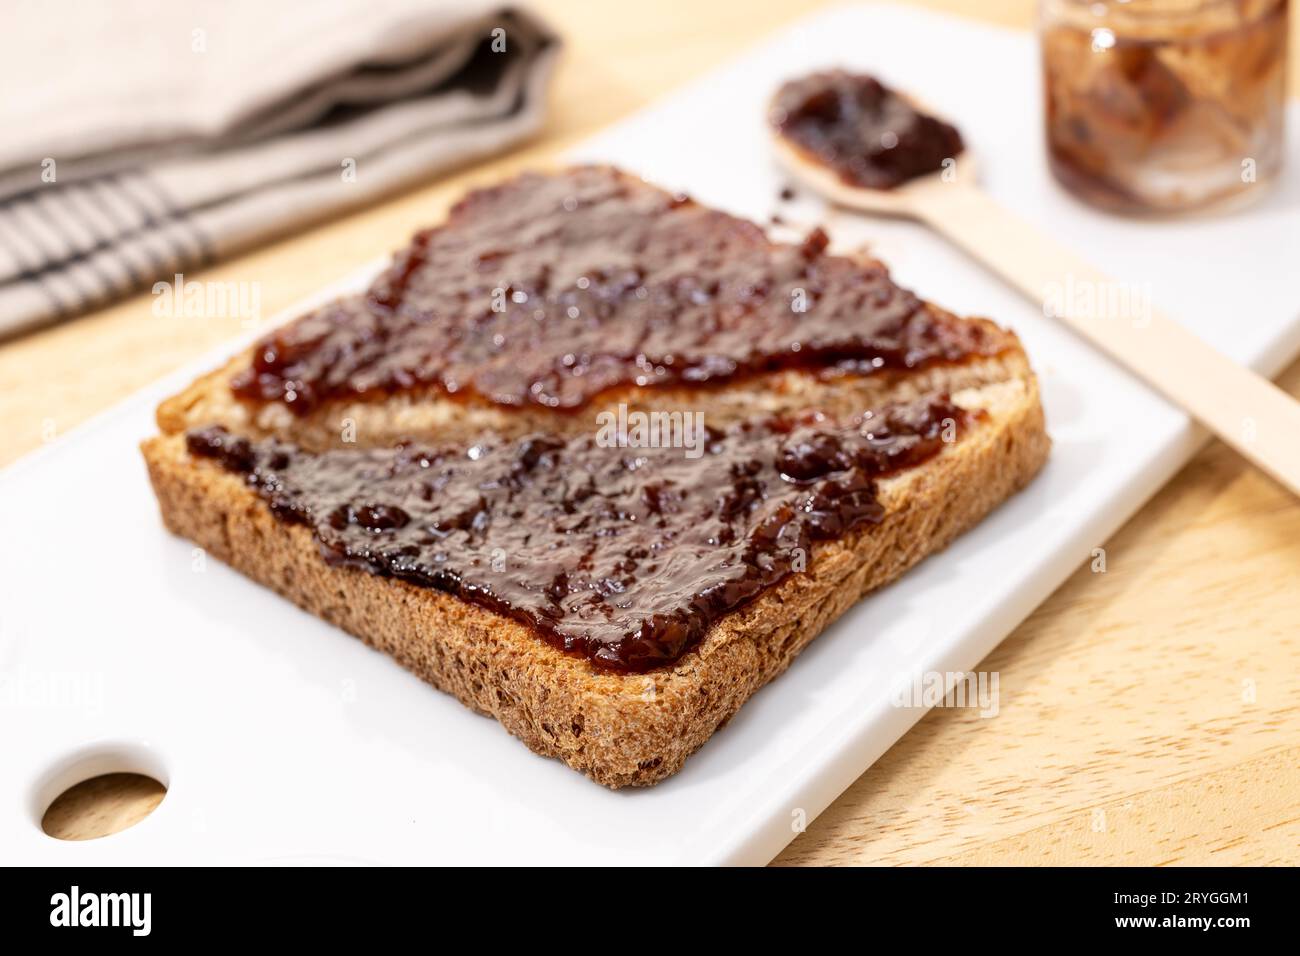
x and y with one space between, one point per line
99 790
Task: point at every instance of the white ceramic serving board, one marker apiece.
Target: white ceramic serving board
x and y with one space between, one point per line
284 740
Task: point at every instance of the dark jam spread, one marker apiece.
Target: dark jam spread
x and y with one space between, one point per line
549 289
624 555
864 131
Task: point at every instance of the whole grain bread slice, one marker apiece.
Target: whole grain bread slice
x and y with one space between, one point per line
620 730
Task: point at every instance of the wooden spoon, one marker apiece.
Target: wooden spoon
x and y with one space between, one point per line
1242 408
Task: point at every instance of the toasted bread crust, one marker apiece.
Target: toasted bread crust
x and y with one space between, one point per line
429 415
619 730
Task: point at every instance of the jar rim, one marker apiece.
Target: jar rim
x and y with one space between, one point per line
1153 8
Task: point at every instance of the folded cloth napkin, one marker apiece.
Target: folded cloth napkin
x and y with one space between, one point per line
146 137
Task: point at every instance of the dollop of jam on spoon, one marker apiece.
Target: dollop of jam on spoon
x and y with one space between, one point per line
868 134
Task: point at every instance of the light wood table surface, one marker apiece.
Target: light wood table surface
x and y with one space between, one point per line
1149 714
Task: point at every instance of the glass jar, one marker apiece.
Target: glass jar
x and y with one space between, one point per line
1164 105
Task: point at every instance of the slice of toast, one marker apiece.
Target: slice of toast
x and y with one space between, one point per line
621 729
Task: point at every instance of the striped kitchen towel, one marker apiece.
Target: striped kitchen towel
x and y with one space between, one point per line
147 137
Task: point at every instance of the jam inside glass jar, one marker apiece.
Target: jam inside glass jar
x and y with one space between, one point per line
1164 105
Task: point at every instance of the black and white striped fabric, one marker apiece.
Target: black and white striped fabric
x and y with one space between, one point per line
153 137
67 249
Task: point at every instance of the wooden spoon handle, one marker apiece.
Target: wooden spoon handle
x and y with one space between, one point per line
1247 411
